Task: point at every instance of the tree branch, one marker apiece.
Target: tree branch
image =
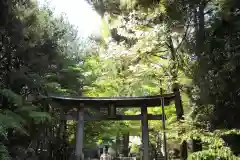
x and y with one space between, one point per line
184 36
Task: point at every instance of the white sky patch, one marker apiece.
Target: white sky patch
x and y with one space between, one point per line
79 13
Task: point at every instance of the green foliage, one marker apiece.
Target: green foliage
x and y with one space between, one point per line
135 60
194 43
211 154
38 53
4 152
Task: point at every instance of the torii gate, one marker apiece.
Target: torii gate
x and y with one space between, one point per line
111 103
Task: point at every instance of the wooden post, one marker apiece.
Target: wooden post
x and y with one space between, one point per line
179 113
178 102
183 151
79 135
145 136
62 123
164 128
196 145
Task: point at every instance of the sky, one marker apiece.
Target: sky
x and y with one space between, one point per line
79 13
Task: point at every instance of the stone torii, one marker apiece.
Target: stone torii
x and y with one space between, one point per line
111 104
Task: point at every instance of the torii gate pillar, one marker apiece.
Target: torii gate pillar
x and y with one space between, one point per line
145 135
80 135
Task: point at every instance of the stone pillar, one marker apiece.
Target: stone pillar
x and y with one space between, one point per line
80 135
145 136
121 145
126 144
